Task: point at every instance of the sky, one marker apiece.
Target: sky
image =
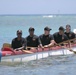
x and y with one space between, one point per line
37 7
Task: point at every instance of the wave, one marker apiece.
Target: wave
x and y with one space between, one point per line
49 16
74 30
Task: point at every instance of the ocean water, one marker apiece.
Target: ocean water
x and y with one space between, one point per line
10 24
53 65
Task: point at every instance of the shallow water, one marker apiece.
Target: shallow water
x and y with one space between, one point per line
53 65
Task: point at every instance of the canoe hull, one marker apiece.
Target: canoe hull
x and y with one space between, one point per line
35 56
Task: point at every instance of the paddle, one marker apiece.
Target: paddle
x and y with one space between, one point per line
64 42
31 48
50 46
68 49
7 47
26 51
67 41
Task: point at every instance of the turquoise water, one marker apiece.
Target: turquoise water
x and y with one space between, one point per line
10 24
58 65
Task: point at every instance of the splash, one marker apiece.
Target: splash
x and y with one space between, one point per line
74 31
48 16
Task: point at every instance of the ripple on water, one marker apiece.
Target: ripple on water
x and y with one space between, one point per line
55 65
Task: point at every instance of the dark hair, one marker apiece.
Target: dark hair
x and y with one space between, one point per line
68 25
19 31
31 29
47 28
61 28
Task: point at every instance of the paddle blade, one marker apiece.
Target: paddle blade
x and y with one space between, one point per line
6 45
26 51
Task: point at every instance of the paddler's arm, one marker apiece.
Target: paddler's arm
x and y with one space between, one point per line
52 42
65 42
69 42
21 48
40 43
73 36
41 46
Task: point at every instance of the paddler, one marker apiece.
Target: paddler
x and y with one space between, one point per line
69 33
32 40
46 39
60 36
18 43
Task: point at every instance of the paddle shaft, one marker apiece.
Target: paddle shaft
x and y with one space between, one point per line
69 49
26 51
67 41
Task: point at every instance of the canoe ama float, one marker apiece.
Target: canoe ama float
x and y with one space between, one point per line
7 55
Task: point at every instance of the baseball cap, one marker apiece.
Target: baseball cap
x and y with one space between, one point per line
47 28
31 29
61 28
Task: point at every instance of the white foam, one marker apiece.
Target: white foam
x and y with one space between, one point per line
74 31
48 16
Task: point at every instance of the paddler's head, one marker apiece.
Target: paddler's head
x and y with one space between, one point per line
31 31
19 33
61 30
47 30
68 28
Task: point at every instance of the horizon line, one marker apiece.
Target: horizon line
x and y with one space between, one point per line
31 14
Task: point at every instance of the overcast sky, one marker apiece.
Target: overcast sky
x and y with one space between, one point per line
37 6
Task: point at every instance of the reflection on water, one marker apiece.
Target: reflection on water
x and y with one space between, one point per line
53 65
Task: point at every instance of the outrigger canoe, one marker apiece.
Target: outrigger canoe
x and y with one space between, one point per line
7 55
